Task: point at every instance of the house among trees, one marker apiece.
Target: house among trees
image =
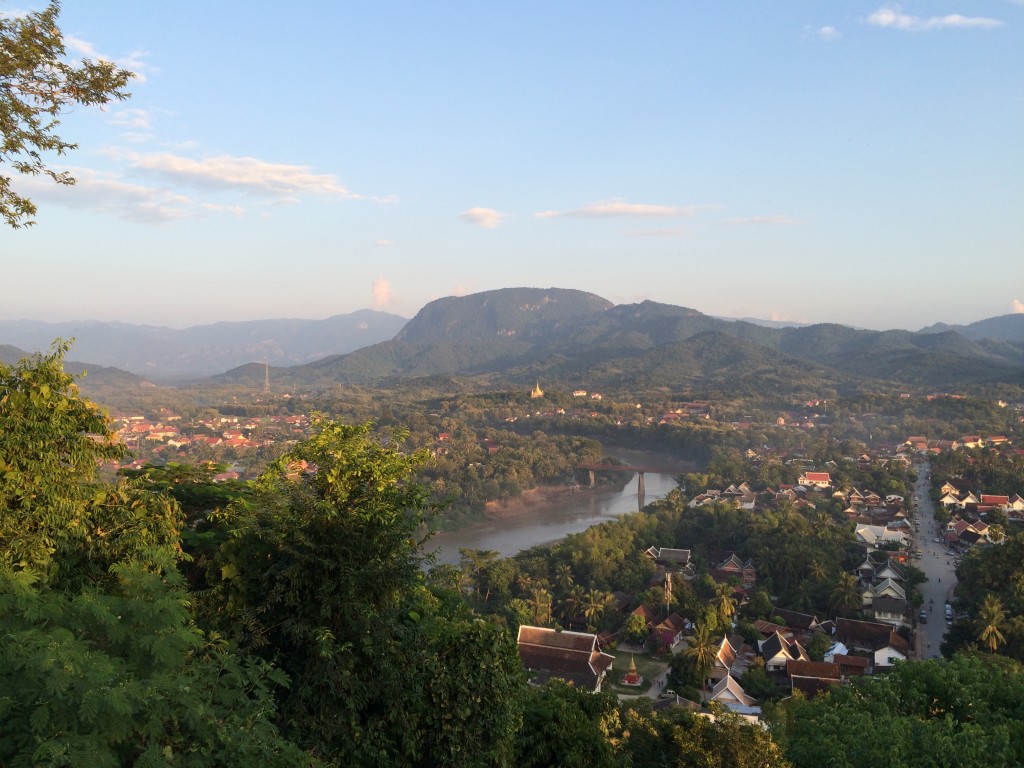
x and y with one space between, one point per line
733 567
571 656
671 630
878 638
779 650
678 558
812 677
731 695
815 480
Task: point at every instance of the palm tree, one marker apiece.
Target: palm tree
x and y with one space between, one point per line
702 651
804 597
989 619
564 578
817 571
725 603
846 595
594 606
541 602
525 582
572 605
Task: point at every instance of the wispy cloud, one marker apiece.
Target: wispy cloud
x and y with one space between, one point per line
780 218
383 243
278 182
110 194
828 33
382 294
1017 306
133 118
488 218
618 207
892 17
134 62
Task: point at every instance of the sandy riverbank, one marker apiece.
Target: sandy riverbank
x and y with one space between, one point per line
530 501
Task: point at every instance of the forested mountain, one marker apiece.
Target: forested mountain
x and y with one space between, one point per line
1005 327
563 335
96 375
203 350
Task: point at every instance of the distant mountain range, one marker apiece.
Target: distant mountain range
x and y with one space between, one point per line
97 375
572 337
562 336
164 354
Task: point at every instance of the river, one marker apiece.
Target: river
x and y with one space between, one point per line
556 520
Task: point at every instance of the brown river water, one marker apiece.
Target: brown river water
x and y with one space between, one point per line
546 523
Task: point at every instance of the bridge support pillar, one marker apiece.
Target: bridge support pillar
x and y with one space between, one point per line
640 485
593 478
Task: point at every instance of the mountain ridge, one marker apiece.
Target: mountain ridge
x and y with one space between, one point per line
525 333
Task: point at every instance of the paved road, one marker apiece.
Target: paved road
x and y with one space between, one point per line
937 565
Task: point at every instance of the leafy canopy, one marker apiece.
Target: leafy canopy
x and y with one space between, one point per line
37 86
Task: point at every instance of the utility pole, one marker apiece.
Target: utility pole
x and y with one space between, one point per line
266 377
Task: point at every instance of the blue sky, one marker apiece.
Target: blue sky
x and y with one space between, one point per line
852 162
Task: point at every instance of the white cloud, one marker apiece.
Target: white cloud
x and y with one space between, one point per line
893 18
828 33
133 62
780 218
384 243
382 295
109 194
277 181
1017 306
488 218
619 207
137 119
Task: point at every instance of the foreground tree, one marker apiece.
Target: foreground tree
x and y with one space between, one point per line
321 574
37 86
678 738
100 660
965 712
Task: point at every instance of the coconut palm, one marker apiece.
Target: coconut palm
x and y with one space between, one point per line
564 578
595 604
846 595
989 619
701 652
572 605
540 600
725 603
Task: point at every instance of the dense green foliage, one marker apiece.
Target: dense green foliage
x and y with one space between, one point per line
320 575
990 597
101 662
965 712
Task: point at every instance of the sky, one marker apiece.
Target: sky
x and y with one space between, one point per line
856 162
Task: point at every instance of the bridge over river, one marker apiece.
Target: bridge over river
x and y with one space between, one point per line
593 469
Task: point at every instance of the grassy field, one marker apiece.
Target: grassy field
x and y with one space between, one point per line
648 667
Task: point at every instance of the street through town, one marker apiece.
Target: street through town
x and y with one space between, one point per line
938 565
